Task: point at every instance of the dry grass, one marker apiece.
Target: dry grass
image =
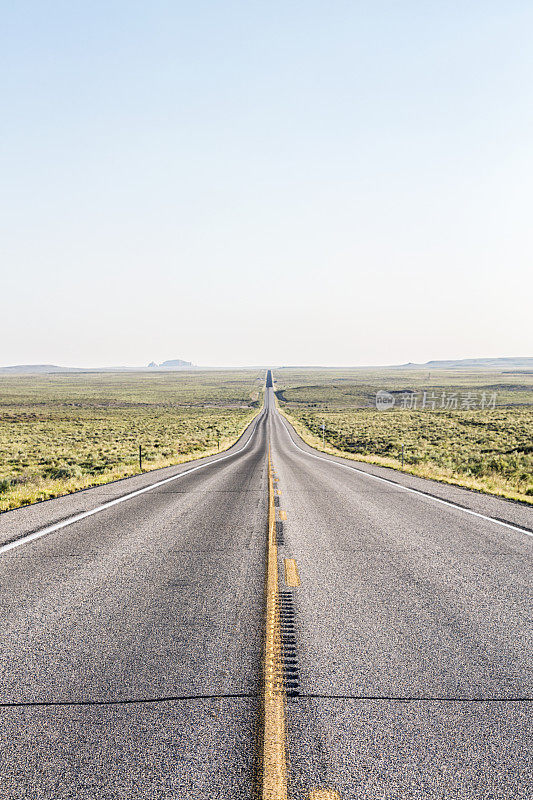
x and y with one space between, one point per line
491 484
62 433
489 450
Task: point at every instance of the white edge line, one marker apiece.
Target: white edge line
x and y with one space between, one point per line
84 514
405 488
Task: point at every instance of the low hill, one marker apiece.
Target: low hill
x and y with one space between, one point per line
514 362
37 368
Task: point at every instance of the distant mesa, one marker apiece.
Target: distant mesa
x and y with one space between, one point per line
175 362
48 369
515 362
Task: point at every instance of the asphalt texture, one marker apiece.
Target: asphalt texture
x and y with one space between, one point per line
131 639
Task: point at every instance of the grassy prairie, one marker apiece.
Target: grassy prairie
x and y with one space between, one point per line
63 432
485 448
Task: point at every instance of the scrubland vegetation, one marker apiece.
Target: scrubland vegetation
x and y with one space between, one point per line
485 448
63 432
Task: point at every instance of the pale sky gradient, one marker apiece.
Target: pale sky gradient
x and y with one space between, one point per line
265 182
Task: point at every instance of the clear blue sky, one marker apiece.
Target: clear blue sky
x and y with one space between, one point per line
253 183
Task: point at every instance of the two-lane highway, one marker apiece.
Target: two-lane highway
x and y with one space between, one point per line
132 639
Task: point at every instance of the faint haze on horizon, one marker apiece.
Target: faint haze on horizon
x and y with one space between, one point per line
234 184
487 363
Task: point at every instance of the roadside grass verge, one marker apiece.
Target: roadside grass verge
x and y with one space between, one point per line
436 446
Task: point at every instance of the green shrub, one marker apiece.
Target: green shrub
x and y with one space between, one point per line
64 471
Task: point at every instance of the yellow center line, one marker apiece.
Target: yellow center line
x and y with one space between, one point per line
291 572
274 734
275 726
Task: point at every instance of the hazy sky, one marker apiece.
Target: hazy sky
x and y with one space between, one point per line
275 182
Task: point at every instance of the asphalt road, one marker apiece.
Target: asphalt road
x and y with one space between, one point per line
131 639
